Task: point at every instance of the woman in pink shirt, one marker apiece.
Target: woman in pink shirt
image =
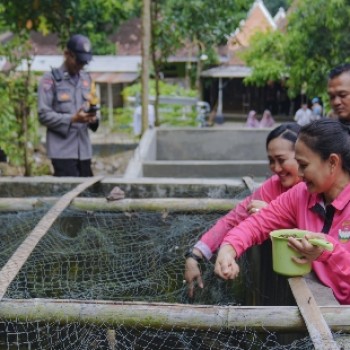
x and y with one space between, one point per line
280 150
321 203
267 120
252 120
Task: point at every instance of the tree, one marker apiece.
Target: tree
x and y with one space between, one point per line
96 19
315 41
165 41
201 25
17 103
206 24
93 18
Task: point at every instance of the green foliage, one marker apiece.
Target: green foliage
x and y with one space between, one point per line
96 18
165 89
201 23
123 120
170 114
315 41
267 56
17 103
207 21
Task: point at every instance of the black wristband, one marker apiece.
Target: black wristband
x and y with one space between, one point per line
192 255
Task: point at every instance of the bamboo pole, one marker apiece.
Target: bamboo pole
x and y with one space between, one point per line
20 256
319 331
285 319
101 204
145 48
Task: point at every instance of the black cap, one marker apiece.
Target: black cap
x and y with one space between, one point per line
80 45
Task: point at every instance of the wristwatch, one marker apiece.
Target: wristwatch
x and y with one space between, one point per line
190 254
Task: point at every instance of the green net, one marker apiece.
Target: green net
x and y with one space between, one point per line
102 279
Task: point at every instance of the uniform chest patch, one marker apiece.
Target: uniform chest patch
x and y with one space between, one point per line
344 232
85 83
64 96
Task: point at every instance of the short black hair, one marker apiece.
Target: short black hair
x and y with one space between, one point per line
288 131
326 136
336 71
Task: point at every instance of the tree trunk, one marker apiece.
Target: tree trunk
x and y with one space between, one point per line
156 63
146 41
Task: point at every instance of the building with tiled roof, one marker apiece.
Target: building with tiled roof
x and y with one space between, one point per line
230 94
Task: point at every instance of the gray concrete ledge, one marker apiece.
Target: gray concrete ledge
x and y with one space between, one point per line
134 188
195 153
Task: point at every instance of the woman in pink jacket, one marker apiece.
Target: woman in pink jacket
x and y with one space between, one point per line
252 120
321 203
280 150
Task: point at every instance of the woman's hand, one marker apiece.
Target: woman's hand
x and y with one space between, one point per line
307 251
226 266
255 205
193 274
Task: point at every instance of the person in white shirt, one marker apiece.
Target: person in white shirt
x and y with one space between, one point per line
137 120
303 115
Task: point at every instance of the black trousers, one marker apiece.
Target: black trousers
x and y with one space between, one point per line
72 167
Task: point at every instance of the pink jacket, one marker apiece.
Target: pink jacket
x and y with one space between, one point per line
212 239
293 209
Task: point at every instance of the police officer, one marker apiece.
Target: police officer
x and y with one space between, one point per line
63 108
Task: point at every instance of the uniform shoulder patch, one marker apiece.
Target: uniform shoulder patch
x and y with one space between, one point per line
47 83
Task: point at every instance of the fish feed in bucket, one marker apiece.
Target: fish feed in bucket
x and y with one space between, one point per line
282 262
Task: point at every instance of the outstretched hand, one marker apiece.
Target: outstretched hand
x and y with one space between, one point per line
226 266
193 276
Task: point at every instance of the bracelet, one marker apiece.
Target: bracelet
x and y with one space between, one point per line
192 255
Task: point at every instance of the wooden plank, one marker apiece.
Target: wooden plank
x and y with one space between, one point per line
128 204
323 295
20 256
286 319
316 325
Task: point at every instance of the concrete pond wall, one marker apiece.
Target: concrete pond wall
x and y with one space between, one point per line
201 153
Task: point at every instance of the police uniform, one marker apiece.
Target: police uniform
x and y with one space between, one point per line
60 96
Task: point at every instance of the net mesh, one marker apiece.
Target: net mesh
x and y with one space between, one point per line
134 256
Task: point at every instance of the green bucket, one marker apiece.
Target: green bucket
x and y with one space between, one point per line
282 254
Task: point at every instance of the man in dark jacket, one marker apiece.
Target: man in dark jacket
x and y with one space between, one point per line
63 107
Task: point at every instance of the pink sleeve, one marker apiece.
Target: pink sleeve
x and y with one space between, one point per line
333 269
280 213
212 239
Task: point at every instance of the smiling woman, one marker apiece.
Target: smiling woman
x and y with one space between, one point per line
280 150
318 204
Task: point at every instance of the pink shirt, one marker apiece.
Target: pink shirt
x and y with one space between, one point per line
212 239
293 209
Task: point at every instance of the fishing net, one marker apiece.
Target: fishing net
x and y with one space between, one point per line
103 279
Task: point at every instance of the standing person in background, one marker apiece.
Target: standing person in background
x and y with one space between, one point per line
316 109
303 115
319 204
267 120
280 150
64 108
339 92
252 120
